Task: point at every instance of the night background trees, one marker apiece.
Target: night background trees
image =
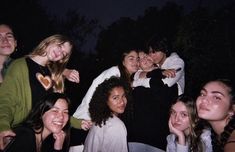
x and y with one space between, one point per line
204 38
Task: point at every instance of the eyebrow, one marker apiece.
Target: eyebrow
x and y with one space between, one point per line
214 92
58 108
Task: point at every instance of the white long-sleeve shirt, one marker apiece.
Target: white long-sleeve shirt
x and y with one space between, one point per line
173 146
171 62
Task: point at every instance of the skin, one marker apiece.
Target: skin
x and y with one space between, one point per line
54 121
8 44
53 53
117 100
131 62
213 105
56 52
159 58
146 62
179 122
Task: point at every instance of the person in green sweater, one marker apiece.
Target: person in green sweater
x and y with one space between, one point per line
8 44
30 78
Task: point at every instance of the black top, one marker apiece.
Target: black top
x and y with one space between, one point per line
37 89
151 111
25 141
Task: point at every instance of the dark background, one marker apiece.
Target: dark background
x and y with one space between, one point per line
202 32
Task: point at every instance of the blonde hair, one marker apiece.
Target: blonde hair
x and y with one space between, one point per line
56 68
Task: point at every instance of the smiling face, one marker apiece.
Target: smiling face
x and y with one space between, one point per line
117 100
131 62
179 117
56 52
56 118
7 41
213 103
146 62
158 56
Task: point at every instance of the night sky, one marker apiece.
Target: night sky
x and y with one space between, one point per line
108 11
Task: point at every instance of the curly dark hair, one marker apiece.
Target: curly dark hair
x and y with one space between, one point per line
98 108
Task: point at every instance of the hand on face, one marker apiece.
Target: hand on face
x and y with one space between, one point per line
4 138
59 140
177 132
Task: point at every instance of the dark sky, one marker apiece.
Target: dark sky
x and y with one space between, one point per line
108 11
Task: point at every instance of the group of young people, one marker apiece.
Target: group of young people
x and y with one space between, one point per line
129 102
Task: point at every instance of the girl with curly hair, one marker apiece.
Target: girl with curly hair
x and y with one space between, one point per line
108 134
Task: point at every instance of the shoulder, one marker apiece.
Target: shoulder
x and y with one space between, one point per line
113 69
175 57
24 140
25 131
114 124
21 62
230 145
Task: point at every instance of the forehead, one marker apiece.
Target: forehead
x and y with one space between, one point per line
132 53
61 103
116 90
216 86
179 106
142 54
5 29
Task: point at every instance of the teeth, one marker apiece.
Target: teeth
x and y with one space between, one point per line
58 123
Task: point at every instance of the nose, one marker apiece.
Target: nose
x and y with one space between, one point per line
177 118
204 100
122 100
3 39
60 115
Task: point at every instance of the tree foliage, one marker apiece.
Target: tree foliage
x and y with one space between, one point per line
204 38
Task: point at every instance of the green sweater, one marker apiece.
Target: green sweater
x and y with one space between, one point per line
15 96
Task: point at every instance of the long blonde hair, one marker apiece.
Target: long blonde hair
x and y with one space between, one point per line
56 68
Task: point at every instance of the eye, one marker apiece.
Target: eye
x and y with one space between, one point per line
10 36
184 115
172 112
216 98
202 94
66 112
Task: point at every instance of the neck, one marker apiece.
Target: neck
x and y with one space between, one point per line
218 126
2 60
163 60
41 137
41 60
